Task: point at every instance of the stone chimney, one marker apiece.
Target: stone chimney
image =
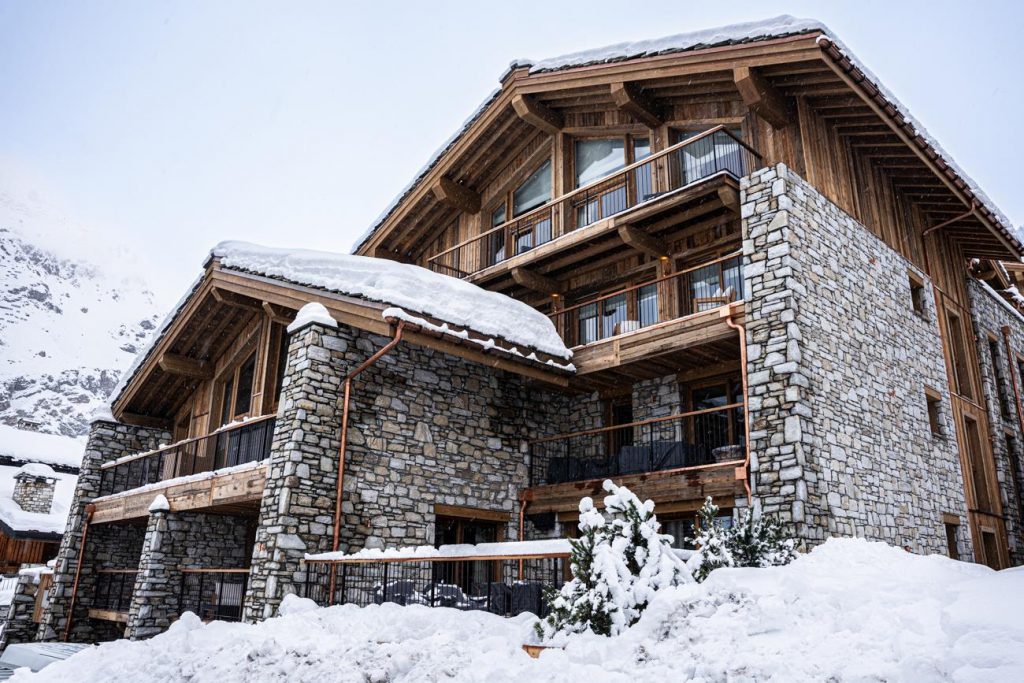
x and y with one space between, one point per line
33 487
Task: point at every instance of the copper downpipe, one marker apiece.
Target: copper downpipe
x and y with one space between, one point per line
89 510
727 314
343 446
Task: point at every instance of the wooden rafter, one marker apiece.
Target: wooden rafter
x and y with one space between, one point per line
535 281
184 366
536 114
456 196
762 99
629 99
643 242
227 298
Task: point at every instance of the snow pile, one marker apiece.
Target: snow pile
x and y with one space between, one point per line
159 504
51 522
412 288
850 610
313 312
51 449
35 469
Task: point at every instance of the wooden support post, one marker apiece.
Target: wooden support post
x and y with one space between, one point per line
537 115
456 196
641 241
186 367
629 99
761 97
535 281
278 314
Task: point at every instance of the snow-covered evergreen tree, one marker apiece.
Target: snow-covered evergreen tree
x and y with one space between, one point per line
618 563
749 542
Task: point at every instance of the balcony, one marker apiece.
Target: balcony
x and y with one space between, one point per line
683 456
113 596
213 594
235 452
668 178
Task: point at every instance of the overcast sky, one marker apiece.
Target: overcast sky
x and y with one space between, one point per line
169 126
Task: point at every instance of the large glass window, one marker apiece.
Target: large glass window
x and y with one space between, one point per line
709 155
647 303
600 158
712 286
534 192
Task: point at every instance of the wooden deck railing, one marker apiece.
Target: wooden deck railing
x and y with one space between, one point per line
693 290
693 439
232 445
707 154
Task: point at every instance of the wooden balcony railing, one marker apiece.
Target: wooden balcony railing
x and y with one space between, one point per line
213 594
693 439
707 154
693 290
228 446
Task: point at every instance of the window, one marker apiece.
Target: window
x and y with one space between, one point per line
934 403
684 527
279 356
451 530
951 546
991 548
619 411
595 159
718 435
712 286
975 456
708 155
917 294
958 351
236 391
1016 476
998 377
628 311
520 237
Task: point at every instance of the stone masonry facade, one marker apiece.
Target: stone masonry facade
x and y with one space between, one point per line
33 492
838 364
107 441
989 316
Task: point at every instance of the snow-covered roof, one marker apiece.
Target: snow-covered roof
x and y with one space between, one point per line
50 449
412 289
768 29
28 523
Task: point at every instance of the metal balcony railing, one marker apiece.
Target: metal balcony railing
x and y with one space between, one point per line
114 588
698 158
228 446
692 439
213 594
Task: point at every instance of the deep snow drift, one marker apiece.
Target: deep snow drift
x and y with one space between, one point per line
849 611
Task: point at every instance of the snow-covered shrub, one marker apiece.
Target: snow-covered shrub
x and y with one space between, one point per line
618 562
749 542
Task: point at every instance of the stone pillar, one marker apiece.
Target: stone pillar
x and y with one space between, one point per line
20 627
108 441
778 388
158 584
297 510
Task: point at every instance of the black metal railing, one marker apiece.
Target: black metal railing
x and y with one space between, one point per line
695 289
114 588
213 594
506 586
692 439
236 445
714 151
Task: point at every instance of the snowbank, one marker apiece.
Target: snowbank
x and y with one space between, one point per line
850 610
52 449
412 288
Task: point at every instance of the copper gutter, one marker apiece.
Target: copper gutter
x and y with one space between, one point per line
89 510
745 469
957 219
1013 376
343 446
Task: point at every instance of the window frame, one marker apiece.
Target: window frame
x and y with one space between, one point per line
504 201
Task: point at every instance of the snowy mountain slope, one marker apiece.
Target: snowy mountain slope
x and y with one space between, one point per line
67 326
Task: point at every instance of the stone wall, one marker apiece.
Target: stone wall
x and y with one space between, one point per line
838 362
20 627
174 541
989 315
107 441
34 492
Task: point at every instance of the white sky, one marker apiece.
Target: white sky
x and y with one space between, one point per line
169 126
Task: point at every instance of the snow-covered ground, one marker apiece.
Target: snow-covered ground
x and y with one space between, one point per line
849 611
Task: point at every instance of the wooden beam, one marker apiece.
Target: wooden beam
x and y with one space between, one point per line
279 314
761 97
629 99
223 296
641 241
145 421
385 253
456 196
730 197
536 114
536 282
185 367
